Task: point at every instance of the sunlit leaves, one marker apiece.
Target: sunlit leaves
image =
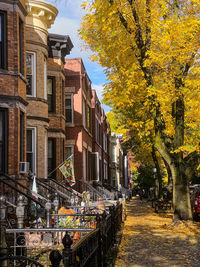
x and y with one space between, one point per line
156 40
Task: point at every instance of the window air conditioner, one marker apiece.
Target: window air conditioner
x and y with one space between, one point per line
24 167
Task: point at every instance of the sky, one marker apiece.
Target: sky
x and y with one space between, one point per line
67 23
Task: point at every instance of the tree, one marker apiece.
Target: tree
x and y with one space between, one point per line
150 49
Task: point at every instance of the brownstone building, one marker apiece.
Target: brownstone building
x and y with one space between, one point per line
105 147
59 47
13 103
97 135
78 117
40 17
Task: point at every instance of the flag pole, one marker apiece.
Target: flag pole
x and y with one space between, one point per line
60 165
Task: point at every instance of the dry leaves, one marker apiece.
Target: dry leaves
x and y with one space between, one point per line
151 239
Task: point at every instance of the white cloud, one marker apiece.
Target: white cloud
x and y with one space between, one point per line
99 90
70 26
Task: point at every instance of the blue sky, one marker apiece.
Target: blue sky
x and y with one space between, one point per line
67 23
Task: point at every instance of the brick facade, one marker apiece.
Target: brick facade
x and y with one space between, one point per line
79 131
12 85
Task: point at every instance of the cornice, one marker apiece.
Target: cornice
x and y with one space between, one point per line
41 14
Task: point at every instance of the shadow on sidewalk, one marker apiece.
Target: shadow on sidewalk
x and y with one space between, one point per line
147 242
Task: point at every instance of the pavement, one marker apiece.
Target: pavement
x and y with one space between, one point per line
151 239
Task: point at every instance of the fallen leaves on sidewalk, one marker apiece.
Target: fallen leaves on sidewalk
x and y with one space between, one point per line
150 239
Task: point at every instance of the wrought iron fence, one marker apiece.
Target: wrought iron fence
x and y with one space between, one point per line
91 231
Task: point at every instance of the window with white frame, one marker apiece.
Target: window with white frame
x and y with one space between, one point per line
31 148
69 108
31 73
114 156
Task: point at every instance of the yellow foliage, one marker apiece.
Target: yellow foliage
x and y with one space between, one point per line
158 36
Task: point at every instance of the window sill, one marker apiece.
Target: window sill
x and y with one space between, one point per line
13 73
69 124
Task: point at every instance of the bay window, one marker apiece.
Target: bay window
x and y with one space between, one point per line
31 73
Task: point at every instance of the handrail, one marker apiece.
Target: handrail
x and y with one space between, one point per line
92 189
79 243
51 230
43 185
49 187
66 188
19 191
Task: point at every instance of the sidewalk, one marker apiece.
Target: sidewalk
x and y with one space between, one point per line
150 239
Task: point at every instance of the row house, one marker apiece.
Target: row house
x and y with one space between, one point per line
105 145
48 109
40 17
59 47
13 100
87 128
97 137
117 161
32 81
78 97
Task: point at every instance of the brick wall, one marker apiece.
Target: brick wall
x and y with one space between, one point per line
75 78
12 86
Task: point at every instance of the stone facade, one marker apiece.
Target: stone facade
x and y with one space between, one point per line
40 17
117 161
59 47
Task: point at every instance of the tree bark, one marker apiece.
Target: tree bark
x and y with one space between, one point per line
158 177
170 181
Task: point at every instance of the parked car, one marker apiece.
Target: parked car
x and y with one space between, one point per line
195 201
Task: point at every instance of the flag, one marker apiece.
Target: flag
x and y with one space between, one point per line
34 188
67 170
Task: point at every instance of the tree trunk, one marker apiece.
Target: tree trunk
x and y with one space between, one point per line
181 195
158 177
170 181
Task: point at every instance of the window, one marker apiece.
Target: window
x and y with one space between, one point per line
3 140
84 113
93 166
51 94
63 93
69 108
21 46
31 74
114 156
88 118
31 148
98 131
3 38
105 142
105 170
84 165
100 168
51 156
21 136
45 79
69 150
